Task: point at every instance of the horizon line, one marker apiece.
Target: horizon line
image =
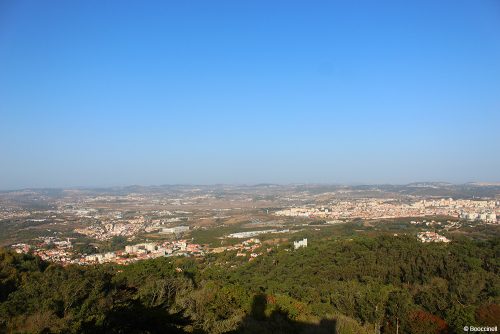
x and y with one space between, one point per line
346 184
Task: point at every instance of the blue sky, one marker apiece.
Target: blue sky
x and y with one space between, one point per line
101 93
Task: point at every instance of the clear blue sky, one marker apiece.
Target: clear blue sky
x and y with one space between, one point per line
99 93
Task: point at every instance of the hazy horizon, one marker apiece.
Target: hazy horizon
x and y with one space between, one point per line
352 184
121 93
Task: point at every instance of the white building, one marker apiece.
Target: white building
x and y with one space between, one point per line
176 229
300 243
131 249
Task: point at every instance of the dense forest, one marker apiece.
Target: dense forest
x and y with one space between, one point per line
362 285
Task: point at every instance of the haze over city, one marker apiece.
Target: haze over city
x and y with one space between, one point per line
104 94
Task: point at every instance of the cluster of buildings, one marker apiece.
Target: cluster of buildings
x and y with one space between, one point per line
431 237
106 231
144 251
49 249
487 217
448 225
247 248
106 225
391 208
61 251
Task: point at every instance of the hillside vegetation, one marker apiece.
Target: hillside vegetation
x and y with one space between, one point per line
364 285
